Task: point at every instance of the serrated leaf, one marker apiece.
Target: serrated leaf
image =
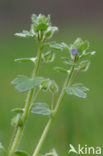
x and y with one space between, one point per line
25 34
21 153
23 83
32 59
78 90
42 109
60 69
48 57
17 110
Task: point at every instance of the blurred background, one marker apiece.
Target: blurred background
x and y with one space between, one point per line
80 121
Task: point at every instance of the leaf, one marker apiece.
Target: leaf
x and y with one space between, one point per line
56 46
60 69
83 46
44 19
71 63
53 87
86 55
17 121
40 23
68 61
34 18
51 153
45 84
78 90
17 110
41 27
50 32
25 34
2 147
21 153
42 109
84 65
32 59
77 43
48 57
80 45
23 83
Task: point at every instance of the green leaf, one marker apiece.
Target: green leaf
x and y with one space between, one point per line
50 32
17 121
51 153
48 57
41 27
78 90
84 65
23 83
2 147
56 46
40 23
77 43
42 109
32 59
45 84
21 153
83 46
80 45
44 19
34 19
86 55
18 110
25 34
53 87
68 61
60 69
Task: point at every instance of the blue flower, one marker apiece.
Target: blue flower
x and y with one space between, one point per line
74 51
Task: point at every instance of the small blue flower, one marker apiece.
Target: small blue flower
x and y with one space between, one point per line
74 51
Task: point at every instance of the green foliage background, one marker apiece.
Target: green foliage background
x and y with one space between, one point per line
80 121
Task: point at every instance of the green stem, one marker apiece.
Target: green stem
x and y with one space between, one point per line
52 102
12 138
51 119
34 99
27 106
74 77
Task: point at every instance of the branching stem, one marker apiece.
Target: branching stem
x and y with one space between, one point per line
51 119
19 132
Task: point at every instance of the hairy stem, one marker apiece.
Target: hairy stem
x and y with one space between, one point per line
51 119
19 132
